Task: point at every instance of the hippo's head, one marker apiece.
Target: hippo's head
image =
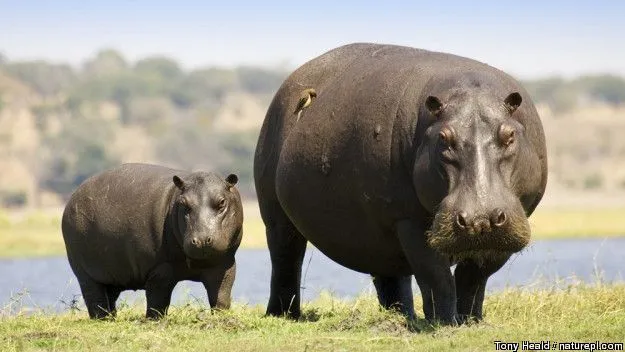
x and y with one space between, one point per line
208 216
477 172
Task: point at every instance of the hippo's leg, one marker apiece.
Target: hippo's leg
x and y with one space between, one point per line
96 298
471 280
112 294
395 293
218 283
158 289
431 271
287 248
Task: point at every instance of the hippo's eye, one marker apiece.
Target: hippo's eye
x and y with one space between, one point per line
506 135
447 138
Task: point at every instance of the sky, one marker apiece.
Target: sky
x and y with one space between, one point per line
529 39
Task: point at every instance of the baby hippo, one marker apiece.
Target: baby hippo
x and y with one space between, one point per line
142 226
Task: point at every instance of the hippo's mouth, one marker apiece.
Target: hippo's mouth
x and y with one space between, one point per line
446 238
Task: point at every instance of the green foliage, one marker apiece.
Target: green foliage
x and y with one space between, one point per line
46 79
564 96
106 62
188 146
606 88
240 150
176 110
78 152
160 67
259 81
204 87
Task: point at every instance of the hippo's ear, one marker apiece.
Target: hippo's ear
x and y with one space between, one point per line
179 182
232 180
434 105
513 101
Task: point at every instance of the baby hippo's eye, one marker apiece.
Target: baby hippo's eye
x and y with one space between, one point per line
221 204
184 204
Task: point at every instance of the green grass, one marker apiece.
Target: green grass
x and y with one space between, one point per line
577 313
40 234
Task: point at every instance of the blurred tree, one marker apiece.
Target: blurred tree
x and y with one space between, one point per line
543 89
605 88
120 88
204 87
106 62
46 79
163 68
186 146
77 152
260 81
239 147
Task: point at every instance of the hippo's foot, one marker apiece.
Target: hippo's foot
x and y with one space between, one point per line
287 248
99 299
468 319
395 293
470 277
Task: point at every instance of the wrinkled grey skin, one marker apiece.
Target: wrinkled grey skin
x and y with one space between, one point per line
406 163
142 226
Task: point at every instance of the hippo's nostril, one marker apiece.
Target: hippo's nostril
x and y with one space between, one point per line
498 218
461 219
195 241
209 240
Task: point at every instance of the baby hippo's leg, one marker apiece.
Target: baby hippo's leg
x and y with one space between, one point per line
158 290
218 282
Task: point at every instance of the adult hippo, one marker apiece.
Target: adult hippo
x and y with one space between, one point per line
406 162
142 226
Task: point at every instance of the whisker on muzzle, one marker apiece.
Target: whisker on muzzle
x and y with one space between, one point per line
446 237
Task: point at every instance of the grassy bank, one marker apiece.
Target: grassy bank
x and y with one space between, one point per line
581 314
37 234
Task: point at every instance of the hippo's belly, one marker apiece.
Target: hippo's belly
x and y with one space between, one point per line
338 203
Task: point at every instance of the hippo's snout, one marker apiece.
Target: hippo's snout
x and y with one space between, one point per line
463 233
482 223
202 248
198 243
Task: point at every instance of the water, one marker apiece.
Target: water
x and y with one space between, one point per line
48 283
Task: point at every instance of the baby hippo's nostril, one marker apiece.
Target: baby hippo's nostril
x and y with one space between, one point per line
498 218
461 219
196 241
208 240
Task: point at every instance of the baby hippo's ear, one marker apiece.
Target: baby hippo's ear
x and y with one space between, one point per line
232 180
179 182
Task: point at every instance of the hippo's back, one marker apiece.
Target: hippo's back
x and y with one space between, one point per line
113 223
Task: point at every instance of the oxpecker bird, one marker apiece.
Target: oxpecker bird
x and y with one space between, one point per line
304 101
